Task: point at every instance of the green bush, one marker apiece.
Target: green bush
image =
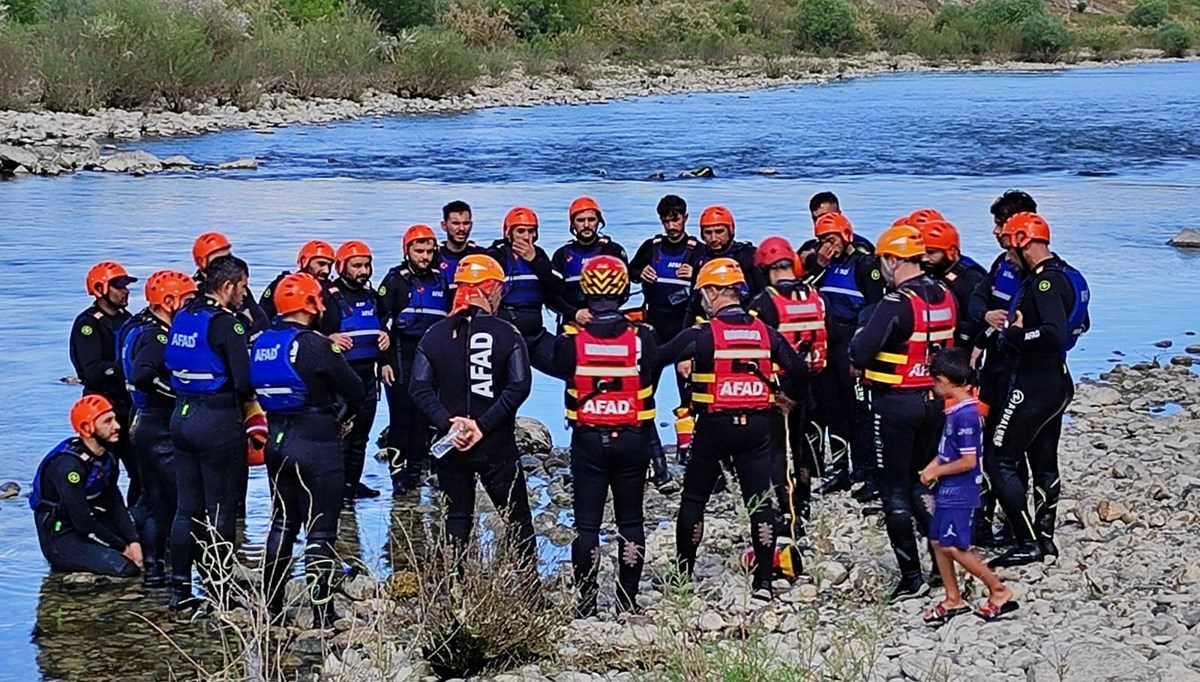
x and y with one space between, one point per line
334 56
1148 13
1043 38
301 11
549 17
433 63
17 76
1005 12
1174 39
826 25
397 15
1105 41
22 11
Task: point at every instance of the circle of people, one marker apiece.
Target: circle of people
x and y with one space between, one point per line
856 367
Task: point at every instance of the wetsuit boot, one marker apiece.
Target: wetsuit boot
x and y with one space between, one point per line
155 574
1026 551
658 464
182 598
1043 525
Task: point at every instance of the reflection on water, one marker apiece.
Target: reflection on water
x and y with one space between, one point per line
1112 156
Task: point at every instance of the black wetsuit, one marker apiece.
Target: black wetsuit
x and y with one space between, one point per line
962 278
666 299
1029 422
327 322
476 365
304 457
743 436
77 533
151 436
907 421
567 264
609 457
530 287
94 354
347 298
210 453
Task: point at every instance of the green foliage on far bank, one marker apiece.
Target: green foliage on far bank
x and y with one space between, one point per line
81 54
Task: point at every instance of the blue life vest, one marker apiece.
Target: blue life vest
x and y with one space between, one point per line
1077 317
447 261
840 290
127 339
360 321
272 372
521 286
196 369
1005 284
572 269
427 305
99 469
669 290
968 263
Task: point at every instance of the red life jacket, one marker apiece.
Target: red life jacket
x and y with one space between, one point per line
933 329
802 320
606 389
742 376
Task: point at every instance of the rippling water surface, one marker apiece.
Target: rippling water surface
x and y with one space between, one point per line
1112 155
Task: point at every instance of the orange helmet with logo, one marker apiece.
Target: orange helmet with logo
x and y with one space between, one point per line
901 241
87 411
206 245
171 283
519 215
1023 228
477 269
717 215
348 250
923 215
720 272
834 223
313 249
941 236
604 276
107 274
417 233
298 292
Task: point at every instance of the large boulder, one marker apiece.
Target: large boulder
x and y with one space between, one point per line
533 438
1187 238
12 158
131 162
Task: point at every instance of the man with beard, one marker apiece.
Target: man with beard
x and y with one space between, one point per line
211 245
412 298
946 264
457 224
529 281
94 353
717 230
585 222
363 341
82 522
316 259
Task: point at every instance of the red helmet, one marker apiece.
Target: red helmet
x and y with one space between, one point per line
166 283
940 235
348 250
417 233
923 215
107 274
206 245
774 250
298 292
717 215
604 276
313 249
87 411
834 223
1023 228
519 216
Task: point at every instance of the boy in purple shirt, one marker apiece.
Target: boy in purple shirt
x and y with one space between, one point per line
957 472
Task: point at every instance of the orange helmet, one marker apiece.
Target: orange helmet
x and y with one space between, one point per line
717 215
348 250
774 250
313 249
298 292
417 233
584 204
923 215
720 272
166 283
834 223
206 245
901 241
107 274
87 411
604 276
941 236
519 216
477 269
1023 228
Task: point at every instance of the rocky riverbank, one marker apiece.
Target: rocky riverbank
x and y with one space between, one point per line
1122 602
51 143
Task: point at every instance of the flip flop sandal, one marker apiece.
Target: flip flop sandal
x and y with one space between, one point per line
940 615
991 611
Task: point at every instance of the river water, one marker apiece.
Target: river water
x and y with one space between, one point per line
1112 156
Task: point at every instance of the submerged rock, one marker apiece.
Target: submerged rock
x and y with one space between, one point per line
10 490
1187 239
130 162
240 164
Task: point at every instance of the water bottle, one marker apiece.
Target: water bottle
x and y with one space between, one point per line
445 443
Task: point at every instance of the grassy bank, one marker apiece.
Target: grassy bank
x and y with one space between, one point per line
77 55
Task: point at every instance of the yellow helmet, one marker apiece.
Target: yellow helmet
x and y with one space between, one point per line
901 241
721 272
